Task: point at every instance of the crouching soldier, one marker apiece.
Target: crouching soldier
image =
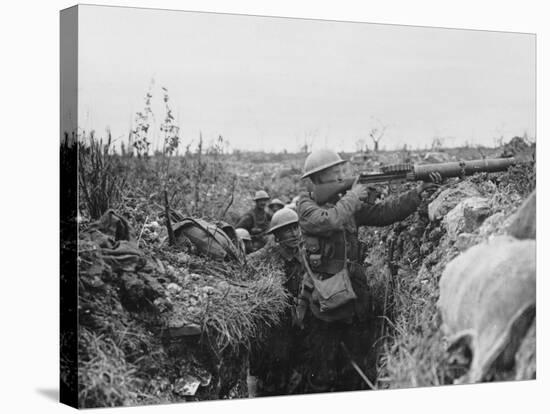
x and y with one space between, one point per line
335 282
275 205
256 220
245 240
275 363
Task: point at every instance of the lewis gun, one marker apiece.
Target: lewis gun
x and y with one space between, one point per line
411 172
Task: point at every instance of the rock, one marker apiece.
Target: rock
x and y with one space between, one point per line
487 301
475 213
178 328
173 288
492 225
187 385
524 221
435 157
183 257
464 241
449 198
466 216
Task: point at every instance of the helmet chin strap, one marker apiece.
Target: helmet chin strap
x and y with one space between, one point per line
292 241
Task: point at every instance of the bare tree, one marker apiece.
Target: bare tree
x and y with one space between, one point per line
361 145
377 133
309 140
437 143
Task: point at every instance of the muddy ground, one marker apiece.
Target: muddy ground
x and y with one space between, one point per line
133 349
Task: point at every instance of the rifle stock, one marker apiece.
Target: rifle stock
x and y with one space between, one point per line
409 172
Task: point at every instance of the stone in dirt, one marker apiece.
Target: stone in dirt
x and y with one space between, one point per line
487 301
493 225
524 221
449 198
466 216
436 157
464 241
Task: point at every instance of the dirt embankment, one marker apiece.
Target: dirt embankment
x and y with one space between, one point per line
407 261
161 324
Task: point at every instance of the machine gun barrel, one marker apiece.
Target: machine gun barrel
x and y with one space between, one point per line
409 172
461 168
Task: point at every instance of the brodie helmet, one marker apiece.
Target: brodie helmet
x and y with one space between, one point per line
261 195
281 218
243 234
276 202
320 160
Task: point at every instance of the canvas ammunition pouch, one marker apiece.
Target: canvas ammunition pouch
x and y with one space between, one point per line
326 265
333 292
326 255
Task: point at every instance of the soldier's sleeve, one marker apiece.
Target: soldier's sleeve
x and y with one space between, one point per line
316 220
245 222
269 256
258 256
388 211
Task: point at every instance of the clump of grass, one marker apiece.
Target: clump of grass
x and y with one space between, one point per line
243 302
99 177
243 313
413 354
105 378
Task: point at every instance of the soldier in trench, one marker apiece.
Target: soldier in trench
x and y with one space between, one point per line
256 220
274 364
275 205
334 285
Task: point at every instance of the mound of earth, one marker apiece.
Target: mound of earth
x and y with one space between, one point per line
160 324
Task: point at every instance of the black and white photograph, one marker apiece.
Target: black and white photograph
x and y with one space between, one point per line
257 206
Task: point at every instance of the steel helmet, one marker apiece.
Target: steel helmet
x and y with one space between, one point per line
276 201
281 218
320 160
261 195
243 234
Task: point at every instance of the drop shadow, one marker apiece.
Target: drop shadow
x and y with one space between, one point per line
49 393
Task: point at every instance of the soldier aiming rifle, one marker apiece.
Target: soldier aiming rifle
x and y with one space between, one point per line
335 282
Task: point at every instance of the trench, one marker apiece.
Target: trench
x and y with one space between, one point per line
359 360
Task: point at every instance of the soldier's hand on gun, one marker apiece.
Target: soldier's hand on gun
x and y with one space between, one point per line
432 185
361 190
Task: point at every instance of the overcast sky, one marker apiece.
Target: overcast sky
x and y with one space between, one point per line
269 83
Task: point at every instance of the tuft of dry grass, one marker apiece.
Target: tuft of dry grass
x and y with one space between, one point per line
105 378
100 179
415 348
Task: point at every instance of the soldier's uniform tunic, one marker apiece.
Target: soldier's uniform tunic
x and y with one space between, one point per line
255 219
328 229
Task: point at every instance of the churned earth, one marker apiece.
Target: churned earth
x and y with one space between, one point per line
162 324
